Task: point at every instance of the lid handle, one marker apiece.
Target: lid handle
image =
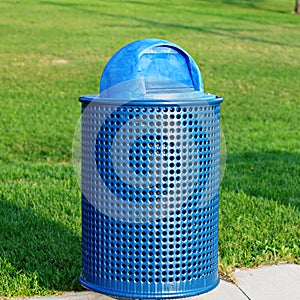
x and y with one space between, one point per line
171 63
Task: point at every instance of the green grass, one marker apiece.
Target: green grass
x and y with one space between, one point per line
53 51
40 234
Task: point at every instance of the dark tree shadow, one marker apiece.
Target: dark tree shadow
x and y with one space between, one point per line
240 3
251 4
222 32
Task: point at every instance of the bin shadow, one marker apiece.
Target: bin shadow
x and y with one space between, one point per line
272 175
40 253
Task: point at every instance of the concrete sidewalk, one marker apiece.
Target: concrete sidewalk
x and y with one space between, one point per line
278 282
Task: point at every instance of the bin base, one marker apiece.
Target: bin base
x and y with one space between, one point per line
132 295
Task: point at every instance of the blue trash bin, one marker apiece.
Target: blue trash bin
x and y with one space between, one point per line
150 176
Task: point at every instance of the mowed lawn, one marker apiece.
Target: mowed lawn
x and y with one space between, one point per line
53 51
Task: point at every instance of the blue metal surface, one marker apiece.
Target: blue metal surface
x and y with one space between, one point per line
150 177
152 59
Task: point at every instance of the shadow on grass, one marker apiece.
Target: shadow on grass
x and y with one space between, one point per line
238 3
250 4
36 254
272 175
222 32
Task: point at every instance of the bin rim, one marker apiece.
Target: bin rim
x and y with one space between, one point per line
195 101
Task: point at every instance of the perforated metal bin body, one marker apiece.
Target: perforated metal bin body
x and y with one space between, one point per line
150 181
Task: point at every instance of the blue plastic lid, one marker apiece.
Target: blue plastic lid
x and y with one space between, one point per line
151 70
